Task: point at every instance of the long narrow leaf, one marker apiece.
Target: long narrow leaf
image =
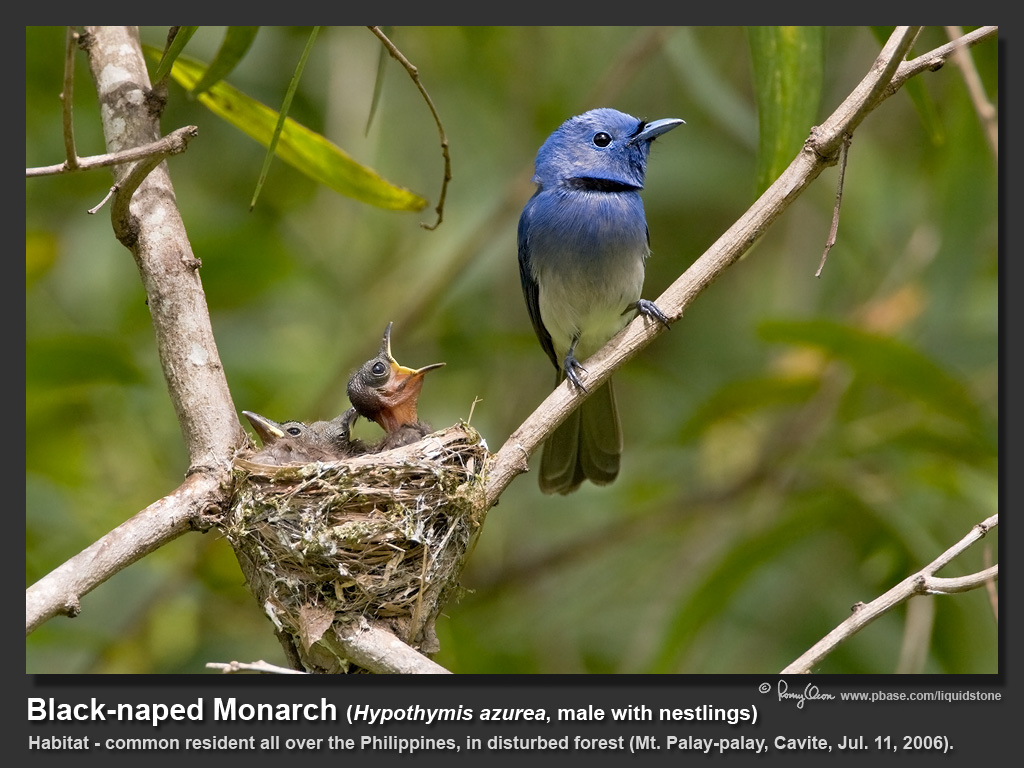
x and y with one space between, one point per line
789 68
378 83
305 150
283 114
183 35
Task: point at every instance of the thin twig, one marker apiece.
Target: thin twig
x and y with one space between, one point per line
936 586
261 666
924 582
839 201
415 75
935 58
171 144
110 193
67 98
869 93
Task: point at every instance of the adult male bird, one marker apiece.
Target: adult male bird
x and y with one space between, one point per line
387 393
296 442
583 242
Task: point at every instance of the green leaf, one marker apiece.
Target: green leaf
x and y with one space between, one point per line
886 361
236 43
303 149
789 67
378 83
282 115
183 35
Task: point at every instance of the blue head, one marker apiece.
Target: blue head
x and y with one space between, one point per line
602 144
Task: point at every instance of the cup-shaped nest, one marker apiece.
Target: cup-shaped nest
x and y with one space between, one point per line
380 537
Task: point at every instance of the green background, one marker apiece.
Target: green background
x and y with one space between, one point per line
794 445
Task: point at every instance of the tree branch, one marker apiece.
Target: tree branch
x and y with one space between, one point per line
923 582
60 591
171 144
377 650
934 59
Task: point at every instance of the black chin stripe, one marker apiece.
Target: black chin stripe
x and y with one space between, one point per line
587 184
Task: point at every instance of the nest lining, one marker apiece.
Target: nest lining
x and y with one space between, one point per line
381 536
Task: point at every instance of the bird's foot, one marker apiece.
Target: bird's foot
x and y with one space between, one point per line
573 369
650 309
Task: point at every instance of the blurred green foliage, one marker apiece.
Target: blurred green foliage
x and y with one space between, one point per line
793 446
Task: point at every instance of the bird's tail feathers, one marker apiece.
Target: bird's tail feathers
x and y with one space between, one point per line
586 446
559 462
600 436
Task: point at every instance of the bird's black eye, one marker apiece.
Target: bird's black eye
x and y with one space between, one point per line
379 368
602 139
294 431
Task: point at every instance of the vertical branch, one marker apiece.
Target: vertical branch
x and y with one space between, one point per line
155 234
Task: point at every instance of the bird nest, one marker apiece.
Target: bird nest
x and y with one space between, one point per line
380 537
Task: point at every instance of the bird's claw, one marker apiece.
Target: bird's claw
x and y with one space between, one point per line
573 370
650 309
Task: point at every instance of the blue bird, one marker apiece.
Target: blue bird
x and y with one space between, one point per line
583 242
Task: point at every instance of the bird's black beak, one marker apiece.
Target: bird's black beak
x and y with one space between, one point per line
655 128
385 344
399 373
267 429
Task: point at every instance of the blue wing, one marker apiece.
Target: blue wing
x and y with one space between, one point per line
531 291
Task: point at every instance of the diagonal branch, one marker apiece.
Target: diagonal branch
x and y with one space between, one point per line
60 591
